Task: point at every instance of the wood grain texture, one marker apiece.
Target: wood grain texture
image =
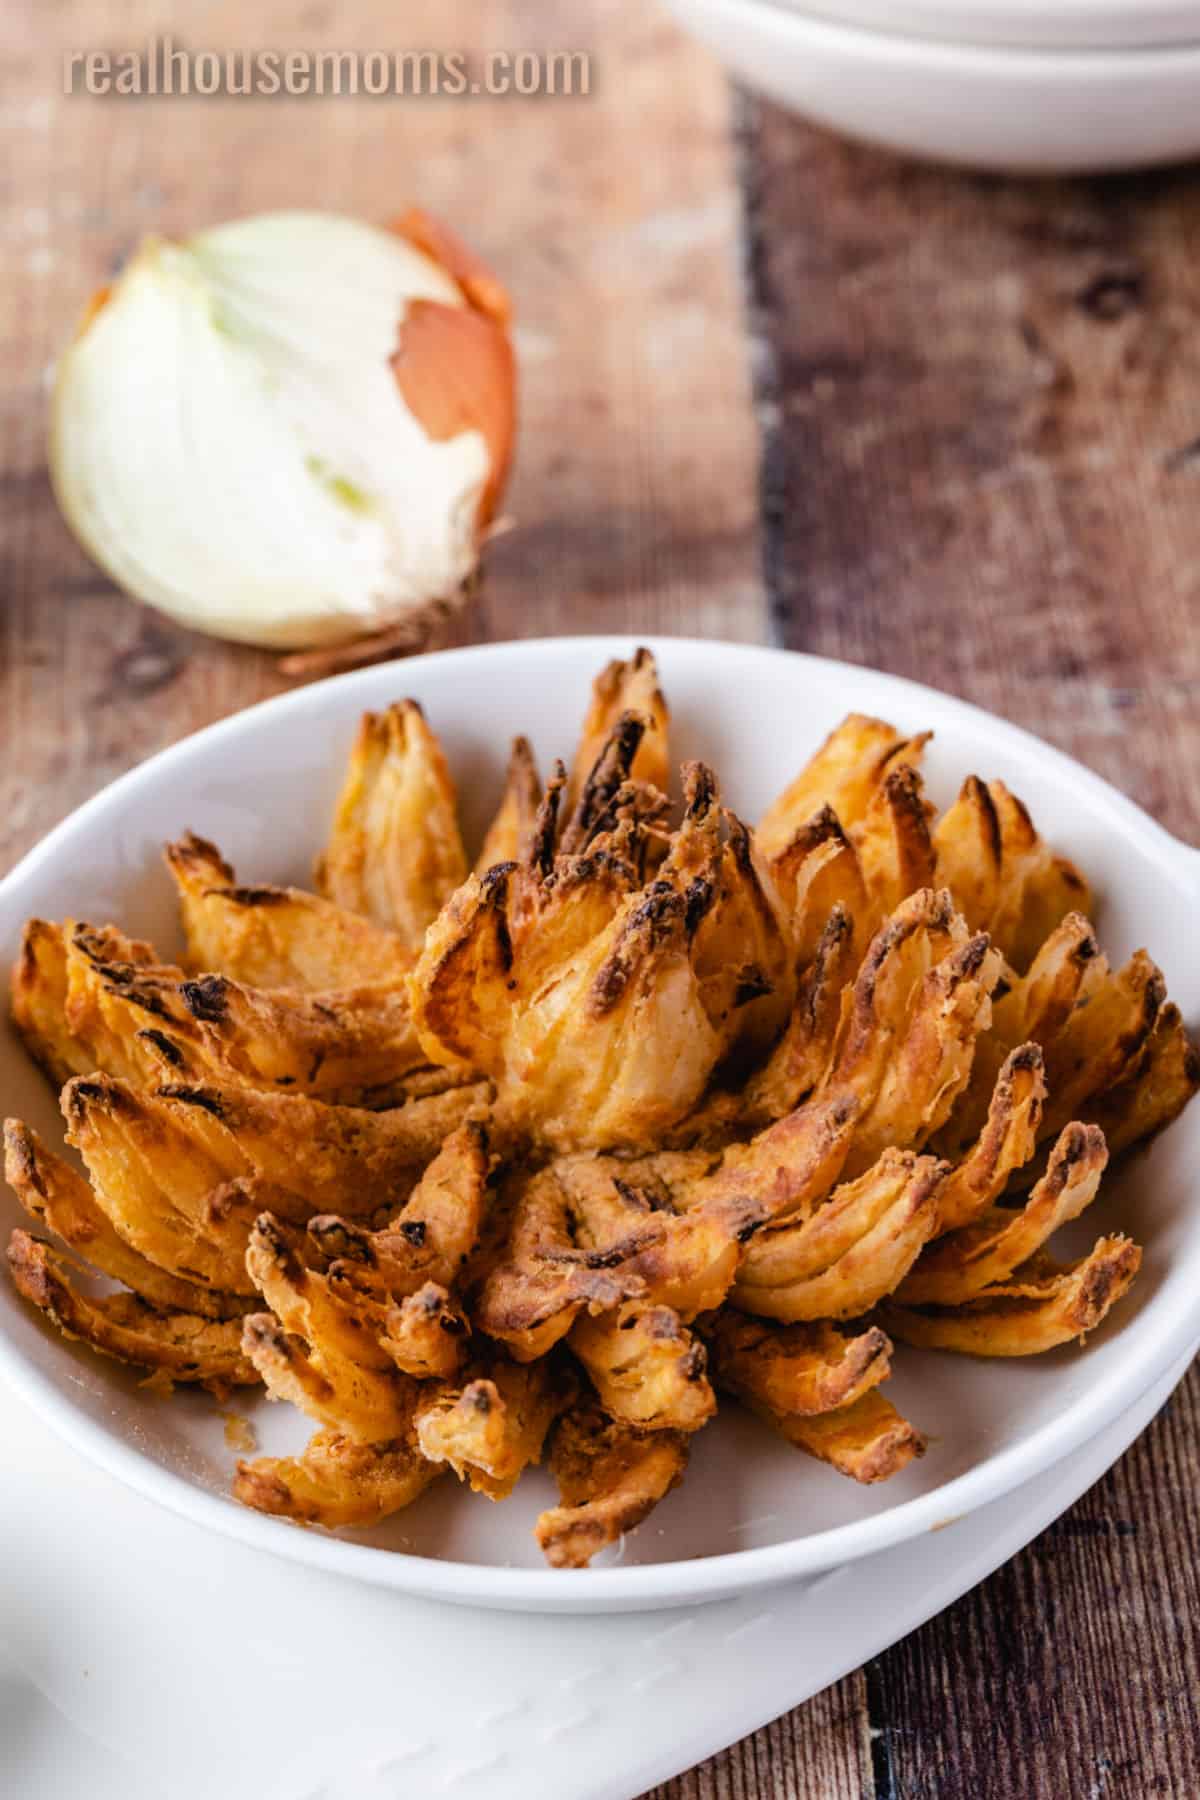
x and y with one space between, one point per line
980 402
623 265
982 462
980 407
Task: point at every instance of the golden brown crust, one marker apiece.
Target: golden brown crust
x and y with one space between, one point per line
624 687
395 854
336 1482
852 1251
795 1369
58 1197
844 774
183 1345
999 1240
1041 1305
490 1430
647 1367
508 837
869 1441
610 1478
275 937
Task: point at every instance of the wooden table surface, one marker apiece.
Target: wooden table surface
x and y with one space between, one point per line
774 387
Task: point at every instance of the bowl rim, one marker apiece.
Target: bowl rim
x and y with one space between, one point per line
1020 25
857 35
1164 1336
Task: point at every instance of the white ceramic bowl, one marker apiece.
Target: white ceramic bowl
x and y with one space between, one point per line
751 1511
984 105
1022 24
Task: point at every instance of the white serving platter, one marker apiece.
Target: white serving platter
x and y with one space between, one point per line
752 1513
125 1630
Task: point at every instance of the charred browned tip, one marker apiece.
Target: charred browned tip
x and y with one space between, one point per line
1076 1144
103 1092
258 1488
262 1331
268 1234
192 855
262 895
966 962
1104 1282
33 1275
207 999
20 1157
206 1099
34 933
482 1397
1025 1059
338 1238
700 790
165 1046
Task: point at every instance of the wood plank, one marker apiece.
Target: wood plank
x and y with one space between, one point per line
980 463
821 1751
623 263
981 408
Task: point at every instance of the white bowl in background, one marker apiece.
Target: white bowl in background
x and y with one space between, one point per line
1022 24
977 105
752 1511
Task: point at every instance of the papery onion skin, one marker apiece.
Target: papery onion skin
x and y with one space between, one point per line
231 442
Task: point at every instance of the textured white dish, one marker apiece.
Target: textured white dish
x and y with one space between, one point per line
99 1700
751 1511
982 106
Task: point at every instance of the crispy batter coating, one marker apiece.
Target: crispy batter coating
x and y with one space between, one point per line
1004 878
910 1025
579 992
895 848
869 1440
699 1221
817 873
395 854
426 1333
316 1349
845 774
71 1020
647 1367
126 1014
851 1251
1007 1141
999 1240
610 1477
183 1345
508 836
1161 1081
181 1210
801 1057
719 1072
494 1427
532 1295
795 1369
1093 1025
193 1143
275 937
353 1046
336 1481
57 1196
1034 1010
1041 1305
623 687
432 1235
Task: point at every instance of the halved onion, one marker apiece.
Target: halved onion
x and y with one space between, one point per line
290 430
